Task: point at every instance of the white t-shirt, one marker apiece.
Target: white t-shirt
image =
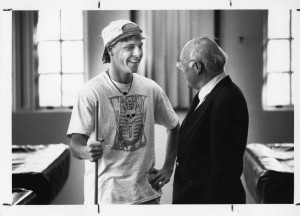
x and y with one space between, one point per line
127 125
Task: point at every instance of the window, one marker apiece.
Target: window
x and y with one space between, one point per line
281 48
60 67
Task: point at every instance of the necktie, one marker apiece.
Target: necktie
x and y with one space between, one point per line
194 104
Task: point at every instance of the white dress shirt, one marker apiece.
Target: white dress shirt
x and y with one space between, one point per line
209 87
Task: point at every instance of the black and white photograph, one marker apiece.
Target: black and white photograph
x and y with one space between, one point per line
117 108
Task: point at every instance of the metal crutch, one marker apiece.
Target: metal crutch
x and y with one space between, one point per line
96 162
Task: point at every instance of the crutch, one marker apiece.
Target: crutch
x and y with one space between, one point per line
96 162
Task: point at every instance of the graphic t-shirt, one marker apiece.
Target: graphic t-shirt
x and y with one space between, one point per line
126 122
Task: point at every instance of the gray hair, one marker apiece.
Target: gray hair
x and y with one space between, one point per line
211 56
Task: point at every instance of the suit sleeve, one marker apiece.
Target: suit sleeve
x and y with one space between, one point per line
225 153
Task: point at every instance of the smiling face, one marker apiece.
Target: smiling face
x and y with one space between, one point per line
126 55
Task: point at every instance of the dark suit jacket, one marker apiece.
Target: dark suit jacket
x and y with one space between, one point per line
212 141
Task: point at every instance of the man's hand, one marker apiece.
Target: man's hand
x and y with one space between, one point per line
83 148
94 150
158 178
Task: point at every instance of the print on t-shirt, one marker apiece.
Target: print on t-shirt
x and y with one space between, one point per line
130 114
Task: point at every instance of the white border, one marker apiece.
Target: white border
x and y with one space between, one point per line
5 109
6 105
148 5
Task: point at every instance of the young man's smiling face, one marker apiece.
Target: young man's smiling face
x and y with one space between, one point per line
126 55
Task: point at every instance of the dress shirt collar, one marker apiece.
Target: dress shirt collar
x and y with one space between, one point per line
210 86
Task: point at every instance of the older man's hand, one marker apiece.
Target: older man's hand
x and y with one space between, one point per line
158 178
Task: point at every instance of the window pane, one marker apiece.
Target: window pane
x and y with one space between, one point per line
70 87
293 88
72 56
71 25
49 90
48 25
278 56
295 23
296 55
278 23
296 41
49 57
278 89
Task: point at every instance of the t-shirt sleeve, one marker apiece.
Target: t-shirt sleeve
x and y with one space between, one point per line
164 113
82 118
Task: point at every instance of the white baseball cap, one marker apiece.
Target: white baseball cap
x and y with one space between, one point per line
116 31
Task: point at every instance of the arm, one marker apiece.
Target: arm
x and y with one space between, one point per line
226 141
220 135
163 175
83 151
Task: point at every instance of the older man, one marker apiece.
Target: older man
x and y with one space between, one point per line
130 105
214 132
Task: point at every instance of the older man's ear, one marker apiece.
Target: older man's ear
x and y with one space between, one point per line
198 68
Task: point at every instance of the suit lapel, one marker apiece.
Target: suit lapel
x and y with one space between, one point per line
193 118
194 104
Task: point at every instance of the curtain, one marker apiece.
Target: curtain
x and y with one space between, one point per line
167 31
24 63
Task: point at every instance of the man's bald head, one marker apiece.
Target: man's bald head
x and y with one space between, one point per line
206 51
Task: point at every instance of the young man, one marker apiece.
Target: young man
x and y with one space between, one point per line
214 132
130 105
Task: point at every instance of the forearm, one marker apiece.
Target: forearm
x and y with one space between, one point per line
163 175
171 148
78 146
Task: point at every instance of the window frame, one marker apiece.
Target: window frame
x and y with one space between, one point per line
37 75
266 40
24 67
